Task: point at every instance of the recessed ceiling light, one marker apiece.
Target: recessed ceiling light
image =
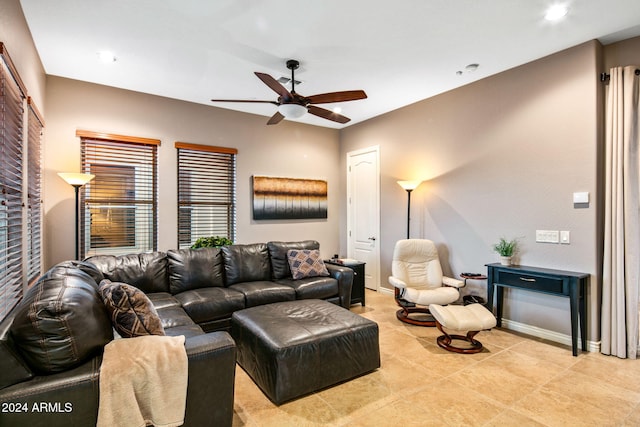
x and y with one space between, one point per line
555 12
471 67
106 56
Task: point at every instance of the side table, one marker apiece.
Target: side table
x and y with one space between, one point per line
357 290
470 299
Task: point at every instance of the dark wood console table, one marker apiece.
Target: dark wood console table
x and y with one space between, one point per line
554 282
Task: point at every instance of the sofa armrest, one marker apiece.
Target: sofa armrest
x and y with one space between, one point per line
68 398
344 276
212 370
72 397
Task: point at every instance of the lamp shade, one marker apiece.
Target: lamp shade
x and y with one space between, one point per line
292 111
409 185
74 179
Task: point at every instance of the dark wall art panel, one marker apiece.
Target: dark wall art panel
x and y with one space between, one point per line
289 198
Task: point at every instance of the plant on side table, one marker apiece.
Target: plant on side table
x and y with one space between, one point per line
211 242
506 249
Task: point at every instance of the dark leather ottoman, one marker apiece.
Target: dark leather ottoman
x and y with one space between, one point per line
293 348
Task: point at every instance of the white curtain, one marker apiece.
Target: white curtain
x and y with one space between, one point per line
621 264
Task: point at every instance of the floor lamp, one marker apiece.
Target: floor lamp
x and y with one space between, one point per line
409 186
76 180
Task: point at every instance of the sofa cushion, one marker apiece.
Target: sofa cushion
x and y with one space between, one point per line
146 271
195 268
278 254
207 304
313 287
306 263
175 320
264 292
132 313
61 321
163 299
188 331
246 263
174 317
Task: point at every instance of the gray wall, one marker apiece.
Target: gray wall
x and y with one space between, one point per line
16 36
287 150
626 52
499 157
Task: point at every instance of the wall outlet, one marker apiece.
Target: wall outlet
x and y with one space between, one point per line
547 236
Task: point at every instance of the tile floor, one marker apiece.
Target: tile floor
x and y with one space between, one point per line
516 381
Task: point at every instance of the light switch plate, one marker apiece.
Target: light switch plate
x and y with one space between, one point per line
581 197
547 236
565 237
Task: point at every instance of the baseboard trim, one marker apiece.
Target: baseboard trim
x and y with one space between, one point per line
387 291
592 346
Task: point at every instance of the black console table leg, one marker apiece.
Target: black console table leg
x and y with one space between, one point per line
573 302
490 289
583 314
499 298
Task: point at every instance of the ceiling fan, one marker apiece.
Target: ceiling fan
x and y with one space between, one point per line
293 105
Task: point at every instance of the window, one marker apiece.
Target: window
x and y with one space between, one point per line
34 192
12 96
119 206
206 192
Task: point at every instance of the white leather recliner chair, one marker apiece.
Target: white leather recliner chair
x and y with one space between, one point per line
417 277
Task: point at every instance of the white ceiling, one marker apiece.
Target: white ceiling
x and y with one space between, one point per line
398 52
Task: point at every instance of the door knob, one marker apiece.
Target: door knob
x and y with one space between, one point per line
372 238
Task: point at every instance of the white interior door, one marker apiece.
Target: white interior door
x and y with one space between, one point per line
363 211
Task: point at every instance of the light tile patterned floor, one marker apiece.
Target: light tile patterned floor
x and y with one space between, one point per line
516 381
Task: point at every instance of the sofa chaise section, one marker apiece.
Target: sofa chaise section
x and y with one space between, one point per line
51 348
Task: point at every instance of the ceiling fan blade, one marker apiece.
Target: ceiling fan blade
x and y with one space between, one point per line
274 85
245 100
275 119
347 95
327 114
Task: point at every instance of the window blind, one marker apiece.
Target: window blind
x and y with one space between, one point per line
12 95
34 192
206 192
119 206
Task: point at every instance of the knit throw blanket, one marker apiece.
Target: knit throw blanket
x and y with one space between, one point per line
143 381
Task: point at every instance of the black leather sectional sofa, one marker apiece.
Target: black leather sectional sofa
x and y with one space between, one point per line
51 343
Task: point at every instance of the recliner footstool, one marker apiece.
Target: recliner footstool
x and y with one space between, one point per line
294 348
472 318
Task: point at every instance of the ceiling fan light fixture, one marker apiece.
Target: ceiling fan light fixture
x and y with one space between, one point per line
292 111
292 105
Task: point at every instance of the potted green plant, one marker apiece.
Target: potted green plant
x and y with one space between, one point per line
211 242
506 249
